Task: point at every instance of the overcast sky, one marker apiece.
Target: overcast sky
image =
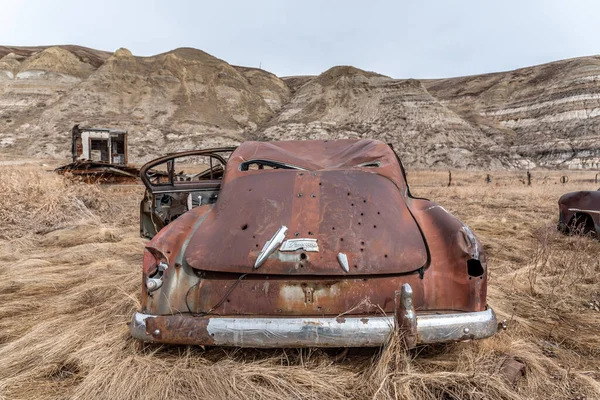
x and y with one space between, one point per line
402 39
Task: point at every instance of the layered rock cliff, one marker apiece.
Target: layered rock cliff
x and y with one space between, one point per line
547 115
345 102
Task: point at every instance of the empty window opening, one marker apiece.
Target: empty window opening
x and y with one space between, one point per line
99 150
252 165
370 164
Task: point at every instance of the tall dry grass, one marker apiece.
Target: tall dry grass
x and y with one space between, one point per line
70 280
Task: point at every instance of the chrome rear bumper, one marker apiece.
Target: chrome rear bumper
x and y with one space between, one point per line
309 332
315 331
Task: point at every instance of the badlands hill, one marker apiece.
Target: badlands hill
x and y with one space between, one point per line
547 115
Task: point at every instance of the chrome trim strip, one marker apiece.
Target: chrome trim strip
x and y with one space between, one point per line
587 211
270 246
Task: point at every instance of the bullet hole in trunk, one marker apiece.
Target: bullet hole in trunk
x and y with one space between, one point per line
474 268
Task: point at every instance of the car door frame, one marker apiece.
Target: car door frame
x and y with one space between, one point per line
173 186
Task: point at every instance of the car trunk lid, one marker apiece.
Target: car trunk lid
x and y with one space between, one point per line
352 212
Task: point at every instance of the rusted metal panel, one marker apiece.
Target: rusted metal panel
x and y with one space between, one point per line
99 172
450 248
179 330
277 295
315 295
273 295
512 370
356 213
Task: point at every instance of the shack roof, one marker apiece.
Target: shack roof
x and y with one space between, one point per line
110 130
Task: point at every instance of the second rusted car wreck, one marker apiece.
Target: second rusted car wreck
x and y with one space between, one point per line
579 213
304 244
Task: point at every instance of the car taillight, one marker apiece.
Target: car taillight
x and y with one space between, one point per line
155 264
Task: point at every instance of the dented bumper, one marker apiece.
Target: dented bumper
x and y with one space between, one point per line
307 332
341 331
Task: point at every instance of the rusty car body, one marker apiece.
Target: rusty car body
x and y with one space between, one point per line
304 244
579 212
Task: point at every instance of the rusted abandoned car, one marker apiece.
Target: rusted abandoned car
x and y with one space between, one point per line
579 212
302 244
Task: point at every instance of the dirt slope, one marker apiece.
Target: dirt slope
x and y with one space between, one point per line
90 56
546 115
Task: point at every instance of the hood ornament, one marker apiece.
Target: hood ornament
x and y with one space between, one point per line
343 260
271 245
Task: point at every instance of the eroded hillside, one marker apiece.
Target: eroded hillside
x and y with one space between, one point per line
174 101
549 114
347 102
546 115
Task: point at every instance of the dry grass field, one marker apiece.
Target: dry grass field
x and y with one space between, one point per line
70 279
